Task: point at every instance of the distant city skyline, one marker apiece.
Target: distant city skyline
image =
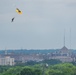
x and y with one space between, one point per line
41 25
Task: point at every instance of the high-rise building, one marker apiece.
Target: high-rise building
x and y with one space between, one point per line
7 60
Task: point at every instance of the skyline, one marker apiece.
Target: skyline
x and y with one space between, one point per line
41 26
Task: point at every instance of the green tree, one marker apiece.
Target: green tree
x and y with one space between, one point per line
62 69
27 71
37 72
54 72
12 71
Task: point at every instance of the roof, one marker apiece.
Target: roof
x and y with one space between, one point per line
64 50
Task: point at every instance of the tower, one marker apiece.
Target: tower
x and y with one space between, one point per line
5 51
64 37
70 38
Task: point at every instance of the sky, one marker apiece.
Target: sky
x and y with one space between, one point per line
40 26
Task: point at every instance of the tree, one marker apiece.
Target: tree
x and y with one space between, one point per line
27 71
37 72
54 72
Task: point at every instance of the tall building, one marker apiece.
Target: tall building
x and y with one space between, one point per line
64 54
7 60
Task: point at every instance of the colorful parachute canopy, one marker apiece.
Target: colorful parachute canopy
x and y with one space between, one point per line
18 11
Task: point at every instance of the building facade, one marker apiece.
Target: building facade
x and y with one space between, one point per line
63 55
7 60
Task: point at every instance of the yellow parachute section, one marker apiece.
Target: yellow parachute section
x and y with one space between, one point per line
18 11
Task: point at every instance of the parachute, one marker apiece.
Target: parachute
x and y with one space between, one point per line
18 11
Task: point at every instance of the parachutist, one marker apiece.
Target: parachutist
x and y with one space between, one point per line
18 11
13 19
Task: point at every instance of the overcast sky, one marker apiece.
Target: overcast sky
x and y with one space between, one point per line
41 26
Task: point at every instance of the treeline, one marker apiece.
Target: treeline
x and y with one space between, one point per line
49 62
40 69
